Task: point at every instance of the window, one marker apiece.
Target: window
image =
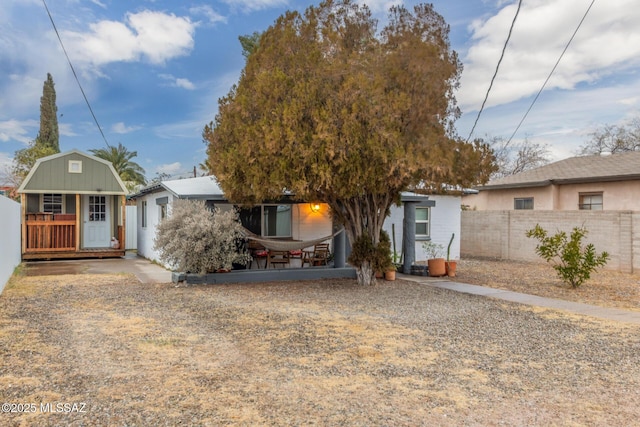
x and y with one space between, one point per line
162 211
97 208
52 203
143 214
276 220
523 203
590 201
422 222
75 166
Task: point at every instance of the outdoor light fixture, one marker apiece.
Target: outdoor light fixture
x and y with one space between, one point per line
315 207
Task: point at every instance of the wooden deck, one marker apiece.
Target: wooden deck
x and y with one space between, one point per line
73 254
54 236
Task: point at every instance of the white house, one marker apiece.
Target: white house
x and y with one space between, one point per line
289 219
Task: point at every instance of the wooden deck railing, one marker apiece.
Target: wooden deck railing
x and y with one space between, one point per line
50 232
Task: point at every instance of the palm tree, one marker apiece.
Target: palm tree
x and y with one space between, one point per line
130 172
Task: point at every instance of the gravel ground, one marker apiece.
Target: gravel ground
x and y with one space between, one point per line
308 353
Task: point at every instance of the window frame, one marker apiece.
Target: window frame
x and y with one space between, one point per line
43 203
427 222
263 225
582 205
524 201
143 214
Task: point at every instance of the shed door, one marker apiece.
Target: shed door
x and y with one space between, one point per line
96 212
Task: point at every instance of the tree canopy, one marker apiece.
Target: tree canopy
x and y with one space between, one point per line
332 109
46 142
130 172
612 139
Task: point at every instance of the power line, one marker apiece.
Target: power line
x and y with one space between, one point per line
504 48
74 74
552 71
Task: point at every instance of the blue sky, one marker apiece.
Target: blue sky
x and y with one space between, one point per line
153 70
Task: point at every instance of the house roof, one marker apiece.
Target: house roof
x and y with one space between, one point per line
54 174
203 187
615 167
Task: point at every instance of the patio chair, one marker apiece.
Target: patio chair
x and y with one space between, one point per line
319 255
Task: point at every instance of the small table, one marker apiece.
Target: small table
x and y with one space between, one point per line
278 258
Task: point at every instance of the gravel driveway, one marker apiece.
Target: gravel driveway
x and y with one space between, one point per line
312 353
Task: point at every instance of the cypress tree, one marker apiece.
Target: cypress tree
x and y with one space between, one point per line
48 136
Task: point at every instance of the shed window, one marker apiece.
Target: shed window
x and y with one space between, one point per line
75 166
523 203
52 203
422 222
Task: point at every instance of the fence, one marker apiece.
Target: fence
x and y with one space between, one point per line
131 239
9 239
501 234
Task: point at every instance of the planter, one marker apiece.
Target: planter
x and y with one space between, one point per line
390 275
451 267
437 267
379 275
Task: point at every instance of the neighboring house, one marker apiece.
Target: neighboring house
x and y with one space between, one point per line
610 183
290 219
72 207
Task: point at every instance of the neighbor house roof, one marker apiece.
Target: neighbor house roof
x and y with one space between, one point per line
616 167
203 187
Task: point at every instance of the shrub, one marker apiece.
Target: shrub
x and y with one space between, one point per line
195 239
573 262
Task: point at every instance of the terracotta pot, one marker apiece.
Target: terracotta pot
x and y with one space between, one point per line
437 267
379 275
451 268
390 275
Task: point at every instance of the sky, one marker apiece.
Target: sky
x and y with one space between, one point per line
153 70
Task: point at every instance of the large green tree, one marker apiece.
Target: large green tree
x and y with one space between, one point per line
130 172
48 136
332 109
47 140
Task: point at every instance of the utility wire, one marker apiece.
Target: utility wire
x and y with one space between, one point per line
504 48
552 71
74 74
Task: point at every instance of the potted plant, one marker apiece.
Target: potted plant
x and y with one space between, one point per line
450 265
384 260
435 262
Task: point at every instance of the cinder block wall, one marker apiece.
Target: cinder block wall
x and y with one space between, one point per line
10 246
501 234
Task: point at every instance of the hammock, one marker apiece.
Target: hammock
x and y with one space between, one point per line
287 245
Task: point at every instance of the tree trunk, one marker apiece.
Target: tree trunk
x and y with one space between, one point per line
365 274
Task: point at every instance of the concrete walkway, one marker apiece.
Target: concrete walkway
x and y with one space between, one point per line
616 314
142 268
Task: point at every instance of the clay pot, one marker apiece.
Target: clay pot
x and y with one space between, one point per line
437 267
390 275
451 267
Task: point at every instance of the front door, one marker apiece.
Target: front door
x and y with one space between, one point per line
96 221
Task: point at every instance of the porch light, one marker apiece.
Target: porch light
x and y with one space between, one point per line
315 207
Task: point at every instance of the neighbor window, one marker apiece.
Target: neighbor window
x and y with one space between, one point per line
143 214
523 203
52 203
276 220
422 222
163 211
590 201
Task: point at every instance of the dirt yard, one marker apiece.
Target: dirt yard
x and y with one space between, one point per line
106 350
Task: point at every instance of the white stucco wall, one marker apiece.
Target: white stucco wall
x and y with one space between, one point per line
445 220
147 234
10 245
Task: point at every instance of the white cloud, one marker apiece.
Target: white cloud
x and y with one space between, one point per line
255 5
177 82
121 128
154 36
18 130
170 168
207 11
608 41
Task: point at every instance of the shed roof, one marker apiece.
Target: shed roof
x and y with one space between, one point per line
616 167
91 175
